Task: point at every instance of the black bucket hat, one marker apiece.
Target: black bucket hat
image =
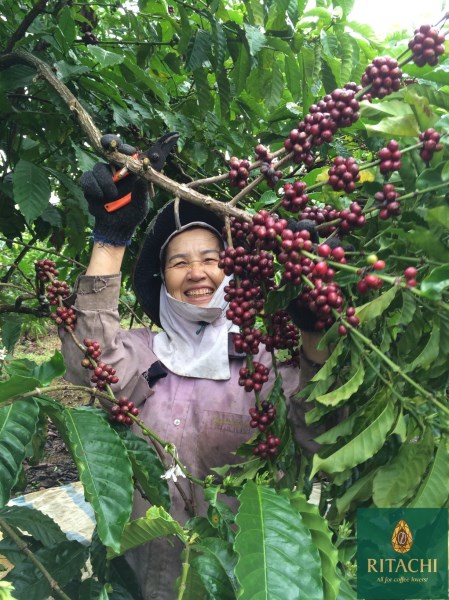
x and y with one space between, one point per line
147 279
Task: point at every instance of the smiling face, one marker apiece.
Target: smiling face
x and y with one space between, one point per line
191 269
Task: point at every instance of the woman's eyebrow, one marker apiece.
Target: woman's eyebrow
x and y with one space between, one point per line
186 255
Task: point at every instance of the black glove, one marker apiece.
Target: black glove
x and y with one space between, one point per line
306 224
117 226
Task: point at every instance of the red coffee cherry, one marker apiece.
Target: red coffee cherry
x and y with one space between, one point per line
427 45
384 76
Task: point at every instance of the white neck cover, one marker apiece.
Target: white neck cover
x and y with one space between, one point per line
194 342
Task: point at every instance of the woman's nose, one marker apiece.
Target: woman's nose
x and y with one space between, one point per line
196 269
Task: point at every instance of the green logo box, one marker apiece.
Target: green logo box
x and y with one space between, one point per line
402 554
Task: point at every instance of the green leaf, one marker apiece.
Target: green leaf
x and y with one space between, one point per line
433 492
277 558
36 523
345 391
199 50
147 468
16 77
242 68
362 445
205 100
322 539
431 177
215 562
104 468
67 25
404 125
64 562
105 58
31 189
437 281
274 87
359 492
278 299
395 482
326 370
430 351
156 523
372 310
256 38
18 422
346 54
11 331
440 215
50 369
224 91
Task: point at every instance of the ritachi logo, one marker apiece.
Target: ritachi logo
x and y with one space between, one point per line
402 539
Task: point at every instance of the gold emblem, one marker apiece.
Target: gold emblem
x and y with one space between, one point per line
402 539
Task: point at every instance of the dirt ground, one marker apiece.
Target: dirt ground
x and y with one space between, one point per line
56 466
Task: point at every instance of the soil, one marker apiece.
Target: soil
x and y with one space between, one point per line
56 466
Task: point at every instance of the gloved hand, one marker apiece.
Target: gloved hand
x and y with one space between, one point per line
102 186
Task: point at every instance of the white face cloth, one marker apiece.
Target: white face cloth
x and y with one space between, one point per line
194 342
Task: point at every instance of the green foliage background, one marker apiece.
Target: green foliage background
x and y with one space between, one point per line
225 76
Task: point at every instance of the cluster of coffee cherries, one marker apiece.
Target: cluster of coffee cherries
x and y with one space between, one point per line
120 412
268 447
271 174
352 320
318 126
93 350
46 269
351 218
430 143
323 300
299 143
341 105
321 216
344 174
282 333
427 45
388 202
295 198
294 262
64 316
410 276
264 417
390 157
253 379
267 169
57 290
369 282
239 172
383 75
104 375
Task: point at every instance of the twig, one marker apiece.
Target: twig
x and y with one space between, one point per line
185 572
23 547
27 20
135 166
19 257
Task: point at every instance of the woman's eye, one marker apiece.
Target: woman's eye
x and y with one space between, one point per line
180 264
210 261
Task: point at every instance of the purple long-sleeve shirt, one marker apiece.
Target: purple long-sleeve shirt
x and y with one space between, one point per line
206 420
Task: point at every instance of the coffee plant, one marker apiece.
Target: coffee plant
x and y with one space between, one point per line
326 153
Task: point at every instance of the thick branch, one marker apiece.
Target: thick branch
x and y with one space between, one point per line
94 135
13 308
23 27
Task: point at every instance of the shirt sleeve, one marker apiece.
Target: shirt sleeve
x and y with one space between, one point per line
95 301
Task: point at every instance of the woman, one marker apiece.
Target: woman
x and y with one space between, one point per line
183 379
